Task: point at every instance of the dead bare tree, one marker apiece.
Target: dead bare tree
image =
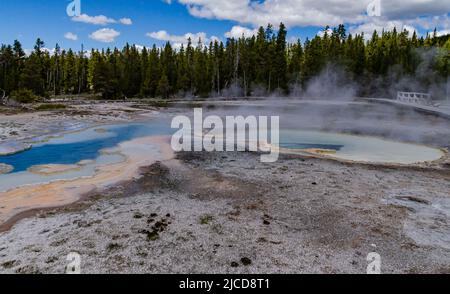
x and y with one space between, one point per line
3 99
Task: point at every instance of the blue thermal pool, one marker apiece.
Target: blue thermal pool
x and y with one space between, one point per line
359 148
72 149
86 146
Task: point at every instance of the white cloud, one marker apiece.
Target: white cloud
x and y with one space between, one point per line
139 47
164 36
50 51
105 35
101 20
238 32
291 12
443 32
425 14
382 24
71 36
96 20
429 23
322 32
126 21
178 40
214 39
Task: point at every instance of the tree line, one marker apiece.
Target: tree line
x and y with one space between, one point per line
259 65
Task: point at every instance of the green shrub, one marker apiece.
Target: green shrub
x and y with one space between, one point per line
206 219
23 96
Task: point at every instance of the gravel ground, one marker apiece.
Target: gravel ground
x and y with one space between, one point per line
229 213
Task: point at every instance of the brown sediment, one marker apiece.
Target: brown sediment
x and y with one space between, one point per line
320 151
153 176
51 169
24 201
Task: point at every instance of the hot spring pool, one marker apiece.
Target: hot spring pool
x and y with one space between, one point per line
72 148
84 145
359 148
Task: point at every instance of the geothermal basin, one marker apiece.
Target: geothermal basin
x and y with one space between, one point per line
86 189
337 131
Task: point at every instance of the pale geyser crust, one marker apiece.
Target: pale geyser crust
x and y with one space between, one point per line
332 155
138 152
298 215
5 168
52 169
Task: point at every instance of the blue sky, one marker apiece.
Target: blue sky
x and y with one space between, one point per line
28 19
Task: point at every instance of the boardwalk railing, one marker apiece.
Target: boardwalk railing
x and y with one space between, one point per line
415 98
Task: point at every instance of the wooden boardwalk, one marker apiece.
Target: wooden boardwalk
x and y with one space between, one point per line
443 111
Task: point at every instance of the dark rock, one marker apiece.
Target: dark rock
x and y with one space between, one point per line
29 270
113 246
9 264
246 261
262 240
414 199
51 259
137 215
153 236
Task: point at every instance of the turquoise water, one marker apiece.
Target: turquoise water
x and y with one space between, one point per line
85 145
71 148
360 148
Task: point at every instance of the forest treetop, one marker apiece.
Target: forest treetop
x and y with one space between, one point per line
257 65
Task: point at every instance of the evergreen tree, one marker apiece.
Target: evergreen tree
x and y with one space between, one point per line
280 64
255 65
32 75
164 86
